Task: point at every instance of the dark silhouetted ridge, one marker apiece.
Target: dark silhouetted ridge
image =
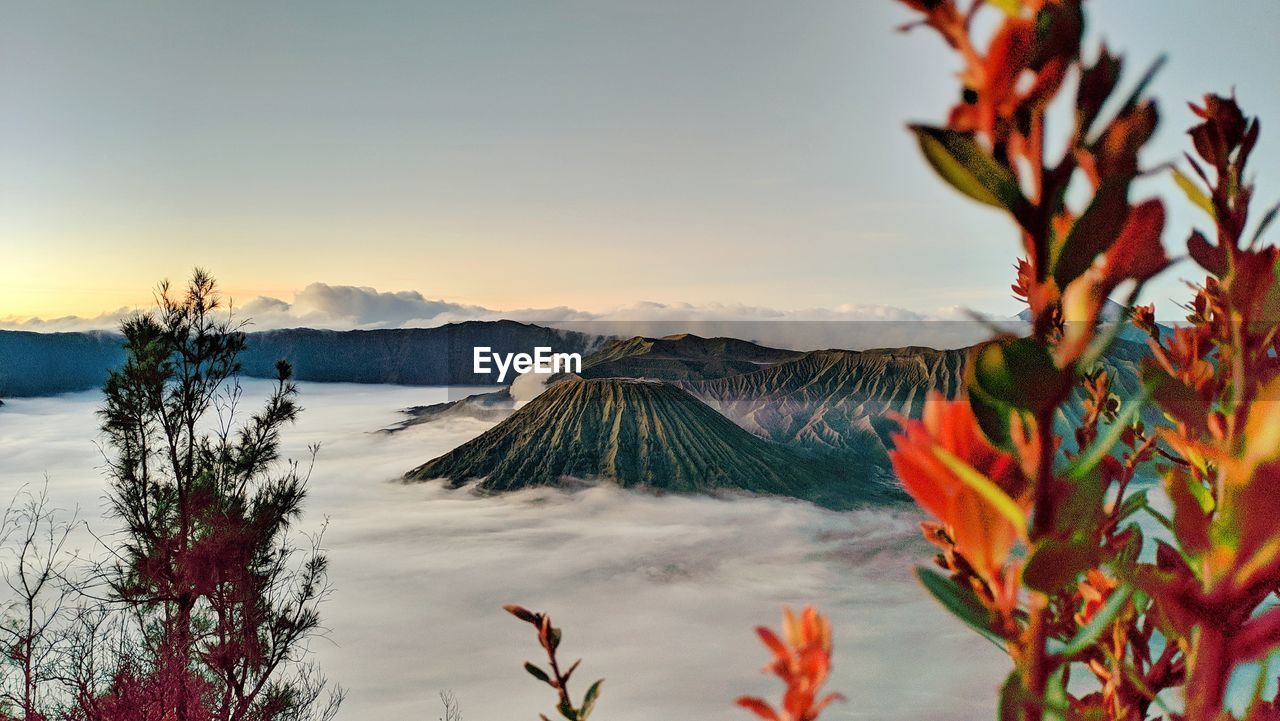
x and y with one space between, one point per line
34 364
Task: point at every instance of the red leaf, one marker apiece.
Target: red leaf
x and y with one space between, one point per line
1210 257
772 641
759 708
1137 253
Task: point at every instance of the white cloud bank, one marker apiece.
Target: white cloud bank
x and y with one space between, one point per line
320 305
657 594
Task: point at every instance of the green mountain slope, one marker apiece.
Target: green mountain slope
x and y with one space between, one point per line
834 400
845 401
641 434
675 357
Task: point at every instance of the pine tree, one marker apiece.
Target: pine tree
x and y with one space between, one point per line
223 603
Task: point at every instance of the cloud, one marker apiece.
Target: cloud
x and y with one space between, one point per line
343 307
527 386
320 305
845 326
109 320
658 594
264 306
363 307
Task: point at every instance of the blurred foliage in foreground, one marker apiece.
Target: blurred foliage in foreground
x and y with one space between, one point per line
1040 545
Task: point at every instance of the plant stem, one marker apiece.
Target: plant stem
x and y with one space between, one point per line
1036 674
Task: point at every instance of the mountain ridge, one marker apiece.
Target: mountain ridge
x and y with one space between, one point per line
683 356
34 364
639 434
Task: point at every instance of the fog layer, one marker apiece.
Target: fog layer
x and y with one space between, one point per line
657 594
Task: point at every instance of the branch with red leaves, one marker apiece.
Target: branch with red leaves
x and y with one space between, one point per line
549 638
1039 539
802 659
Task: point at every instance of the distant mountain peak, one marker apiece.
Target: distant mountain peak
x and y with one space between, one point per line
639 433
681 357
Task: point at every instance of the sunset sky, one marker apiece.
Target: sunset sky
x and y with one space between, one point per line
585 153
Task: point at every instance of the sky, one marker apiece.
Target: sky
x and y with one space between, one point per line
590 154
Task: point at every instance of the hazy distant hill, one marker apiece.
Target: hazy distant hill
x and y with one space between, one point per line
684 357
844 401
492 406
410 356
641 434
44 363
36 364
836 399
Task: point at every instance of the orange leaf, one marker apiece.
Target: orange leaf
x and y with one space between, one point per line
772 641
759 708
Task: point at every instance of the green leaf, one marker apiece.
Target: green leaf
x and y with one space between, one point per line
962 602
1056 703
1193 192
986 488
1133 503
568 711
537 673
567 674
1202 495
1162 519
963 163
1020 372
992 373
1129 553
1143 83
1266 221
1102 618
992 415
554 638
1089 461
589 701
1012 8
1013 698
1080 512
1271 301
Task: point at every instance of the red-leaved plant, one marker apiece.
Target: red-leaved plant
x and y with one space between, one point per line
1040 479
1035 477
549 639
802 659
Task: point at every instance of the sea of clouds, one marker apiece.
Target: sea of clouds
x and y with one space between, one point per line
852 326
657 593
